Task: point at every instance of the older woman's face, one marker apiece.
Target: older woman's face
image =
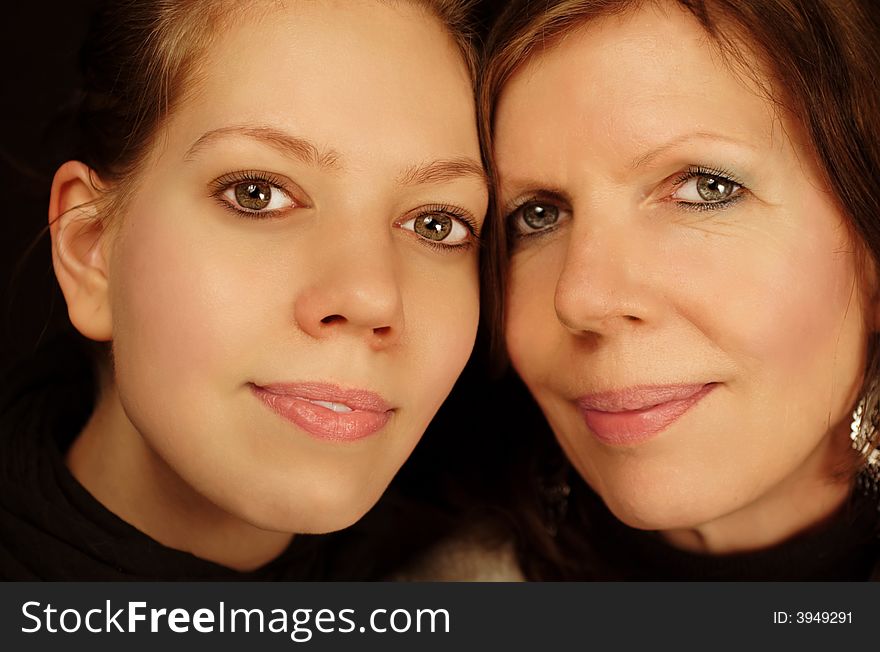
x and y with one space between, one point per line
683 298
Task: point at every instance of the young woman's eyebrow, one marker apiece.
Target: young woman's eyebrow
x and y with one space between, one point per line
287 144
677 141
443 170
439 171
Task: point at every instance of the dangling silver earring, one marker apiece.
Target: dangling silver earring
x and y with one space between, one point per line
865 423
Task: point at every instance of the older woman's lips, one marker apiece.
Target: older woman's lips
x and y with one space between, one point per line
327 411
630 416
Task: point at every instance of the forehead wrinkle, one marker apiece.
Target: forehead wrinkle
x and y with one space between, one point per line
442 171
289 145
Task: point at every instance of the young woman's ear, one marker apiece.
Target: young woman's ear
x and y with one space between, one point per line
78 254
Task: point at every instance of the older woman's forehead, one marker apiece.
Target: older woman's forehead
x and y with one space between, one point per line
627 87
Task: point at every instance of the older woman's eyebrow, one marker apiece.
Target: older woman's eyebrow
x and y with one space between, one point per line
287 144
645 159
443 170
514 193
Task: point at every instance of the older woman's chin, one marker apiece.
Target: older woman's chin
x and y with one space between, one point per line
669 500
657 511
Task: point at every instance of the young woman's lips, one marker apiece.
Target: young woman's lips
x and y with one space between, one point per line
630 416
327 411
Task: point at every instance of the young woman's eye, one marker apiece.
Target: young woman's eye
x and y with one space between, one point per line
253 195
441 227
257 196
706 189
535 217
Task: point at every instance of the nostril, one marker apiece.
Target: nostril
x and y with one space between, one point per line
329 319
384 330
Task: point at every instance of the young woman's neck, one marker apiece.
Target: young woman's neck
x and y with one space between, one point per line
802 501
114 463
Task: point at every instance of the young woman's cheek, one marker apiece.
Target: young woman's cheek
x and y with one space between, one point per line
165 307
441 310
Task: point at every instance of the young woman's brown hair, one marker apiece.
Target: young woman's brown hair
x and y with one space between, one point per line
821 56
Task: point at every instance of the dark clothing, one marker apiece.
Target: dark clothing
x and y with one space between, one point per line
845 547
52 528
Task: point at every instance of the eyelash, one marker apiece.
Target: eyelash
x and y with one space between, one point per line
689 174
456 213
696 171
222 184
232 179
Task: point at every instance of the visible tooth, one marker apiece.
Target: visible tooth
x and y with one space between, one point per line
330 405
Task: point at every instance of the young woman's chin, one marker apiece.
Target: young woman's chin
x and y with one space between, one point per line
314 510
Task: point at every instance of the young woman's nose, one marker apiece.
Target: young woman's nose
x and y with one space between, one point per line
603 285
354 291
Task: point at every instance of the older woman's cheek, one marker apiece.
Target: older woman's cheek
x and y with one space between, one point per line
533 333
760 305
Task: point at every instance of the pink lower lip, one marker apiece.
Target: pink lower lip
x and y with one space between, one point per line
628 427
364 420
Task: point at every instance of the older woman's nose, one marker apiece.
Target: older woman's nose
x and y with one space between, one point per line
354 292
602 287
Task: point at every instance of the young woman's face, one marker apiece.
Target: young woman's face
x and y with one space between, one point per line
294 282
683 298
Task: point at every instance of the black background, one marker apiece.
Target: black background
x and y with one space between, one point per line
39 44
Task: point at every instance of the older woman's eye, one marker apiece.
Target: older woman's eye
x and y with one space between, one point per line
534 217
441 227
706 189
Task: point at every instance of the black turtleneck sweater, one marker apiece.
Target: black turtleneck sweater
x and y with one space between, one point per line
845 547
